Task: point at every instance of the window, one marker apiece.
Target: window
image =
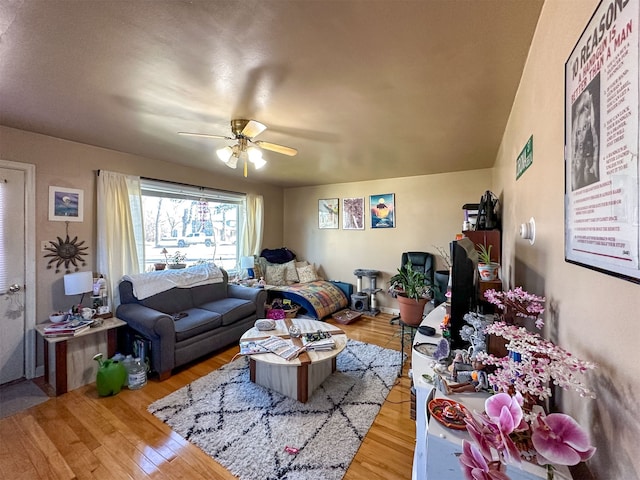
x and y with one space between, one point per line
201 223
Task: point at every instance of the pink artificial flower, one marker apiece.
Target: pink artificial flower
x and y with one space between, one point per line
560 439
484 433
505 411
474 465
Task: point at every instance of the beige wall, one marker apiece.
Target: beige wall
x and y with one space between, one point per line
591 314
68 164
428 214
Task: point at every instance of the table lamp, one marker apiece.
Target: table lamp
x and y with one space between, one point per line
248 264
78 283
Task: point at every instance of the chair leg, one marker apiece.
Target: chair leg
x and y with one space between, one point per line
401 346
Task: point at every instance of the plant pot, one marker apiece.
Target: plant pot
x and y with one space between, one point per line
160 266
411 310
176 266
488 271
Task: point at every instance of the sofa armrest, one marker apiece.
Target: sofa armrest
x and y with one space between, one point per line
255 295
158 327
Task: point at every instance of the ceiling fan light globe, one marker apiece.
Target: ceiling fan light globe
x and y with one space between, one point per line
224 154
255 155
259 163
233 162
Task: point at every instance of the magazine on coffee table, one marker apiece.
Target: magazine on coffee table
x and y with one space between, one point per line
67 329
281 347
252 347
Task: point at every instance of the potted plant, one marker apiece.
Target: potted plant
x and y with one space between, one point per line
159 265
177 260
487 268
408 286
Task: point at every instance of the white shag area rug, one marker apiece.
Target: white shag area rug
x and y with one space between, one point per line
246 427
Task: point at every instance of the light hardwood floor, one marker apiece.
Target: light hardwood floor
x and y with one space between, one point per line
80 435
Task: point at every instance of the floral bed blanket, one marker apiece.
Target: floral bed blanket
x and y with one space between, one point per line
318 299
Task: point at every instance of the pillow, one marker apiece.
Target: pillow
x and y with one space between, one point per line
291 274
307 274
258 270
276 275
301 264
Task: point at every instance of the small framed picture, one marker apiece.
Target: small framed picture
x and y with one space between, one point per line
328 213
353 213
66 204
383 210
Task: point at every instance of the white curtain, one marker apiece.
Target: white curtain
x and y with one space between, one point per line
120 247
253 226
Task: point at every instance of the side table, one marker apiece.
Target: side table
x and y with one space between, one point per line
68 361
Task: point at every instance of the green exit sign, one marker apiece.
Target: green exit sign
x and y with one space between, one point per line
525 159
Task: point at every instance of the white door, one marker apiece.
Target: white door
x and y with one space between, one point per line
17 318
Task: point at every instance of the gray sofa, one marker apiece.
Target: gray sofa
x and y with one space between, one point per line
216 316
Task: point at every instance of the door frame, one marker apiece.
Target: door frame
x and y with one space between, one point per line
29 286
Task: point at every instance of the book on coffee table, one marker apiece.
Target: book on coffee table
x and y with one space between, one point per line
318 341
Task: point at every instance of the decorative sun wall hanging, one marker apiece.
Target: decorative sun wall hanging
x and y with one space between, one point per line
67 252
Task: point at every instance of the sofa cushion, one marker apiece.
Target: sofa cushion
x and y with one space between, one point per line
196 321
208 293
231 309
171 302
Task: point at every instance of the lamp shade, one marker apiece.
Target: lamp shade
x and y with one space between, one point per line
224 153
77 283
247 262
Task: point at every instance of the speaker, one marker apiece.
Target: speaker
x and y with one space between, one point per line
360 302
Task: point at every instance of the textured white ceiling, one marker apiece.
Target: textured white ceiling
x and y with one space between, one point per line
364 89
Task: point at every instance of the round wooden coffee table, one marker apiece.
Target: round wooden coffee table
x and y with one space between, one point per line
297 378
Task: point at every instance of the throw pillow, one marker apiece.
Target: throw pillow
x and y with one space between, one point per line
258 271
307 274
276 275
291 274
301 264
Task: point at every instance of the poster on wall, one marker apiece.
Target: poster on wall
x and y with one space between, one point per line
65 204
328 213
383 210
353 213
602 203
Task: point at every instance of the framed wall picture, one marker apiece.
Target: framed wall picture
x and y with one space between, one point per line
602 203
382 210
66 204
328 213
353 213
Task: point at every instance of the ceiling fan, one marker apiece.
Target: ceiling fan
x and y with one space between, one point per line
244 132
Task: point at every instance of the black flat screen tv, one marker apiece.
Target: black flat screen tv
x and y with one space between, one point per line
464 280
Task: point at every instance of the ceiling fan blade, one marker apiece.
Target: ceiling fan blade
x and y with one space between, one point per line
206 135
253 129
274 147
